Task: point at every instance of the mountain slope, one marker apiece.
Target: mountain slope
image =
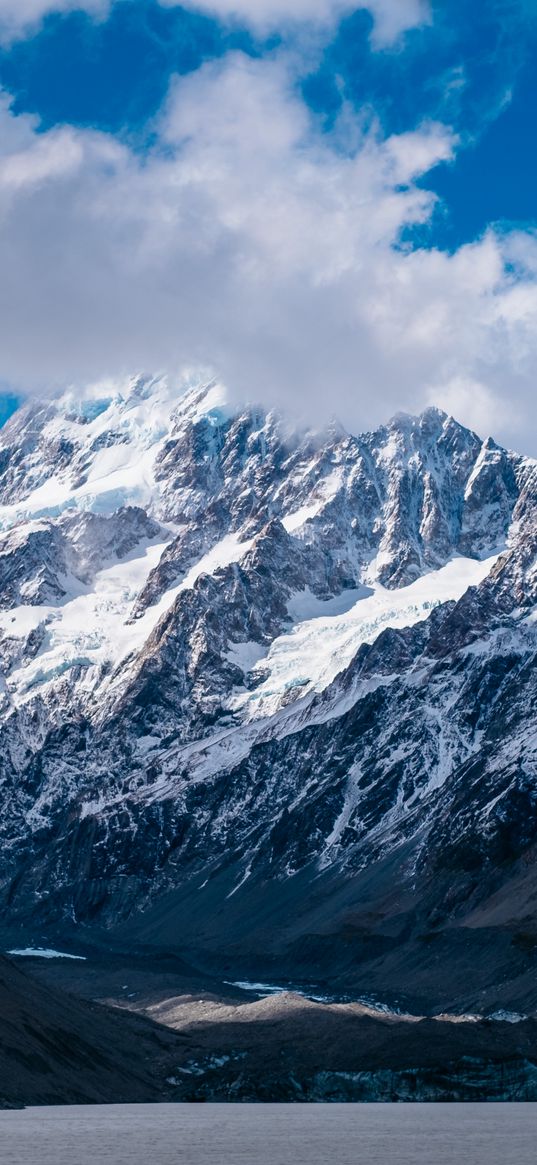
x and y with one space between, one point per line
55 1049
243 664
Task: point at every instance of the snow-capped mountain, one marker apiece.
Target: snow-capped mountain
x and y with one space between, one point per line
245 665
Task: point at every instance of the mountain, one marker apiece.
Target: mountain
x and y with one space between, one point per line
269 695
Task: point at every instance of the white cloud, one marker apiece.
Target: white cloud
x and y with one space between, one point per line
19 16
392 17
250 242
481 409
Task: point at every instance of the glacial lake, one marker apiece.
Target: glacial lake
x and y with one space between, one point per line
271 1134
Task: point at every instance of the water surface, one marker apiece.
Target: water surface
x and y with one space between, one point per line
271 1134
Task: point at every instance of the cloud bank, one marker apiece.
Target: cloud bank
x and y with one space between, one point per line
249 242
391 17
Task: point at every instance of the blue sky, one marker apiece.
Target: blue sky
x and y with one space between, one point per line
111 74
454 83
474 66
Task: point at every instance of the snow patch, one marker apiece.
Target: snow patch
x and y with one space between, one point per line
45 953
245 655
297 519
305 605
317 649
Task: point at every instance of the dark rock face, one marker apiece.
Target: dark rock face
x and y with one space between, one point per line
194 705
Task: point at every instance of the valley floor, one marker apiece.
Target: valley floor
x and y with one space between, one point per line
149 1027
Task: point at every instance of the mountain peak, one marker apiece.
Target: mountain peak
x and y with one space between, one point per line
231 650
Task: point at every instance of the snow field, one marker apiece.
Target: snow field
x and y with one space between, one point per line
318 648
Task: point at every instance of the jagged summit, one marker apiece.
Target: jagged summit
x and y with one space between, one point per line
233 653
430 419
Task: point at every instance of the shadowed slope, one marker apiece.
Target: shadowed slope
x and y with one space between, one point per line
55 1049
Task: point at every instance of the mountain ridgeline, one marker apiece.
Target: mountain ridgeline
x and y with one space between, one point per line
270 696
